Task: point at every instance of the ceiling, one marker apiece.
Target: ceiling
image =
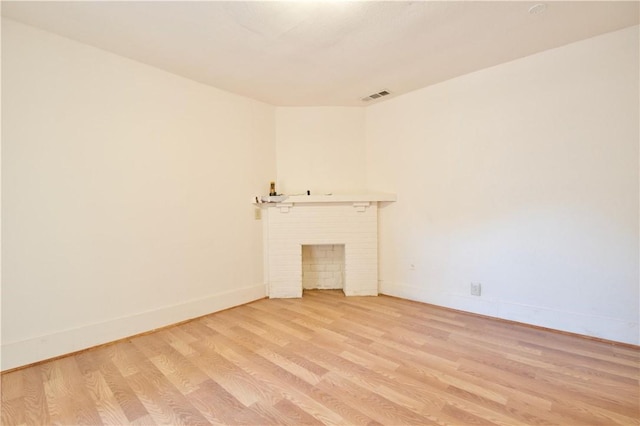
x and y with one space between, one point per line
306 53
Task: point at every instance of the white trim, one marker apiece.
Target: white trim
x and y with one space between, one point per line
24 352
614 329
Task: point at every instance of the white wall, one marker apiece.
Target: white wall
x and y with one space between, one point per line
320 149
523 177
125 188
125 196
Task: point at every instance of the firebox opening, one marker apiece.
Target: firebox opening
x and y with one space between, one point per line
323 266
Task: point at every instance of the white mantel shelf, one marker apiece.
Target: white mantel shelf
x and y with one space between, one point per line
338 198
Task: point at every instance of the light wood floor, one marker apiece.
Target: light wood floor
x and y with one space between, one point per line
327 359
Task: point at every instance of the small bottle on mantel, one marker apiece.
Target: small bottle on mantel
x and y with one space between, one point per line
272 189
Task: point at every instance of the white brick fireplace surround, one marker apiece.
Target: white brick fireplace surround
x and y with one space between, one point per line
349 220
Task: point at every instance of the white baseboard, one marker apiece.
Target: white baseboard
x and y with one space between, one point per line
24 352
361 292
614 329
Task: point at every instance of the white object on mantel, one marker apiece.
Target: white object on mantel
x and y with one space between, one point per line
349 220
273 198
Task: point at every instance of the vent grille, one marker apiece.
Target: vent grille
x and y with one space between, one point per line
375 96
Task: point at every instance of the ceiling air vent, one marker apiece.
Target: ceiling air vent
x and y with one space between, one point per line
374 96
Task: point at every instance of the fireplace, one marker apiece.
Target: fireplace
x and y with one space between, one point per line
323 267
347 224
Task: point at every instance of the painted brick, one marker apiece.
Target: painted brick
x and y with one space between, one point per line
309 239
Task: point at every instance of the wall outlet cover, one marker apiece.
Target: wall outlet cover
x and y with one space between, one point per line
476 289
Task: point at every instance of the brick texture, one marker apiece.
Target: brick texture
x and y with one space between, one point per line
323 266
287 231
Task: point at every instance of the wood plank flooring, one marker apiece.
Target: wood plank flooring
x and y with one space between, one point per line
328 359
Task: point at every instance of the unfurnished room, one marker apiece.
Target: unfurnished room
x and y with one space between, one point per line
320 212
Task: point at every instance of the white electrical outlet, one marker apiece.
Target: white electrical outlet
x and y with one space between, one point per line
476 289
257 214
